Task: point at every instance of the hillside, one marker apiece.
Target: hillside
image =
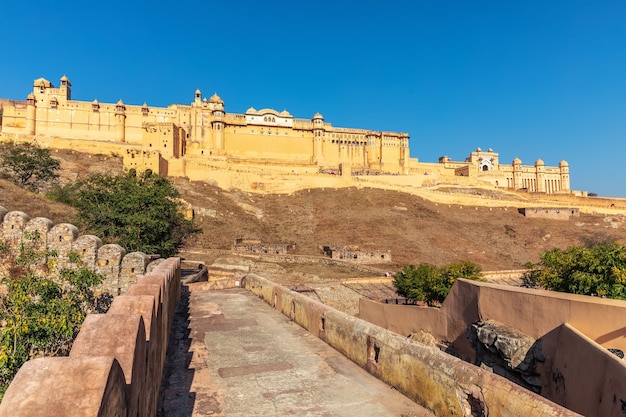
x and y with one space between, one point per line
414 229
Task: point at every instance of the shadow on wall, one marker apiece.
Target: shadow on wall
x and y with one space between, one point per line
573 365
116 363
119 268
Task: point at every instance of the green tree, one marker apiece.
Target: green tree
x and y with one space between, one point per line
28 165
41 316
138 212
432 284
596 270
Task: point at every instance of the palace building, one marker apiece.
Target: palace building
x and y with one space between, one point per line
200 138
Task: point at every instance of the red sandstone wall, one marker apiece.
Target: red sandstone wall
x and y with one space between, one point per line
116 362
440 382
539 314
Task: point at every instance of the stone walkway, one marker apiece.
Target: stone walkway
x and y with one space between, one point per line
233 355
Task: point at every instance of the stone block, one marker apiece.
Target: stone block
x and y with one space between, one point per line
156 341
108 264
144 305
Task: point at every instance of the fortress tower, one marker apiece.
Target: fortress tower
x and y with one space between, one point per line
199 139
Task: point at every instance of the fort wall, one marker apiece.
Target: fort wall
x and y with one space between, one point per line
119 268
188 140
575 332
444 384
116 363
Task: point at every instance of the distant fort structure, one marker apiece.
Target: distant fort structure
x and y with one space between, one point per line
260 150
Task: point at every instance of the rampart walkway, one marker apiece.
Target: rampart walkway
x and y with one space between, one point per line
233 355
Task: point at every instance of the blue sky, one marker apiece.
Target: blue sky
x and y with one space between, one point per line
530 79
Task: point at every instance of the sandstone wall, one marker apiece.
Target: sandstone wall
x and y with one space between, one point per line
116 363
440 382
119 268
575 332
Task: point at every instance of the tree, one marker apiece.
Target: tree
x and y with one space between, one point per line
41 316
28 165
596 270
431 284
138 212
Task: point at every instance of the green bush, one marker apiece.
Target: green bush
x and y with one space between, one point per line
431 284
41 316
28 165
138 212
597 270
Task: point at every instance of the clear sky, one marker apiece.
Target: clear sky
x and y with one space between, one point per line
530 79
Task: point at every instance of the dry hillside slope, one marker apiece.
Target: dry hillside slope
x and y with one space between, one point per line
414 229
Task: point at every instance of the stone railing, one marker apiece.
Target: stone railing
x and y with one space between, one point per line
438 381
119 268
116 362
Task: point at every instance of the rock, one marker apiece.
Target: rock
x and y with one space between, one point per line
508 352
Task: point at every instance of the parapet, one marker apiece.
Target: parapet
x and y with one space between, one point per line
440 382
119 268
116 363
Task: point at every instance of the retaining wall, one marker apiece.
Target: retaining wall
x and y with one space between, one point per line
575 332
116 363
444 384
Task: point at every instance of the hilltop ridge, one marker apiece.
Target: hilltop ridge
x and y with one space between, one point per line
413 228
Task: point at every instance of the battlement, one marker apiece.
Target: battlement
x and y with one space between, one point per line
191 139
116 363
119 268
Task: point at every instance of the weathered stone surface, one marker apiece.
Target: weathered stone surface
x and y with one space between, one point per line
61 387
114 368
442 383
508 352
126 342
86 247
13 226
63 239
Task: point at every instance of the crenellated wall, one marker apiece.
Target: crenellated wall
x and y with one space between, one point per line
119 268
444 384
115 366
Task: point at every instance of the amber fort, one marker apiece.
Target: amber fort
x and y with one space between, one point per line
517 351
260 150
